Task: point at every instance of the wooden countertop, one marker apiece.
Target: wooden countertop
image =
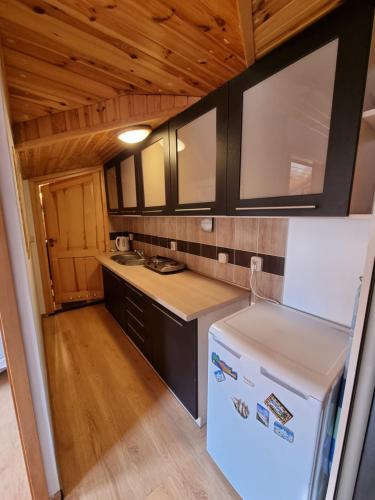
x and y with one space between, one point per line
187 294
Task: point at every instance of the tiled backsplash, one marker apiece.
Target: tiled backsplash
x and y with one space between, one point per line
240 238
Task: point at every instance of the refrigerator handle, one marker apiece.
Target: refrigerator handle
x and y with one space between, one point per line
286 386
225 346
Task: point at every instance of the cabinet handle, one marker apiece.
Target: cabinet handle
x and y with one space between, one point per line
168 315
134 304
192 209
135 318
134 289
135 331
152 211
276 207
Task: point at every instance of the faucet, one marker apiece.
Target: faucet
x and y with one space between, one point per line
139 253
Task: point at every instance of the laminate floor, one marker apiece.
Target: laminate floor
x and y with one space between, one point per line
14 484
120 433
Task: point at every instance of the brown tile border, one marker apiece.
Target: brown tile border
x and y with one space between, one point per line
272 264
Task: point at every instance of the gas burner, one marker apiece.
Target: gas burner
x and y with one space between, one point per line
164 265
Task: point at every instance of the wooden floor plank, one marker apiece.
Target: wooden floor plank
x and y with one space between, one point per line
14 484
119 432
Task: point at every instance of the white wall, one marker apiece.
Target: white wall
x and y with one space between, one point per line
324 260
27 302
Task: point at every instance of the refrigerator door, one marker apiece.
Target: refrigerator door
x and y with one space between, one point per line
261 433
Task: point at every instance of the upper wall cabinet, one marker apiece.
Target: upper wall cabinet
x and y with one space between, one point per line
111 177
198 154
294 118
129 196
154 173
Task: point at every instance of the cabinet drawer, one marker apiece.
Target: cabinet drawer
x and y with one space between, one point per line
134 297
138 333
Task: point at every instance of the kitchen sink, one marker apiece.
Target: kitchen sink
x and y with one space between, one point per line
129 259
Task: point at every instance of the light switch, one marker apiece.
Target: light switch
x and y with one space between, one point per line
173 245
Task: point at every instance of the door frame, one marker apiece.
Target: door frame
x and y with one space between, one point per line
40 235
10 330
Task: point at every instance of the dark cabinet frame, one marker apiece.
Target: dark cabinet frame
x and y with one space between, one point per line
219 100
107 166
160 133
352 25
115 162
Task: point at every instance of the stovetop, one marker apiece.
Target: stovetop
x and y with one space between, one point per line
164 265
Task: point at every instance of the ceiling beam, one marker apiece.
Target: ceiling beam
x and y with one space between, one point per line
245 18
104 116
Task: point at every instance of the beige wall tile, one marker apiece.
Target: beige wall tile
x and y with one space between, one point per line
181 228
246 233
273 235
139 225
225 232
269 285
242 277
206 266
225 272
150 225
116 223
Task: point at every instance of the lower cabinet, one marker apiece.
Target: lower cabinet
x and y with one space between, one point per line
175 354
114 295
168 342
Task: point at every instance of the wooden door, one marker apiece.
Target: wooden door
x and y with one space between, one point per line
74 221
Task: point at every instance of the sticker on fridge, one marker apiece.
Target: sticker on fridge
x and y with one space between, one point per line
241 407
278 409
219 375
215 358
263 415
283 432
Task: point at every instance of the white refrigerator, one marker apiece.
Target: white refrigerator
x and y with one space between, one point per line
273 381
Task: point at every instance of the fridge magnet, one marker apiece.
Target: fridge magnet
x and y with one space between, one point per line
248 381
241 407
283 432
219 375
215 358
263 415
278 409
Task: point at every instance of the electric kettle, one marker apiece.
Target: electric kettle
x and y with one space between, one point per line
122 243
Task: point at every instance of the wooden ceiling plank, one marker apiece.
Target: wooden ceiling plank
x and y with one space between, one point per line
46 88
84 43
32 43
140 47
217 20
245 17
139 34
108 115
54 73
291 19
30 97
163 23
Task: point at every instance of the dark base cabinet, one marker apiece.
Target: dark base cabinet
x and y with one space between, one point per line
114 295
176 354
168 342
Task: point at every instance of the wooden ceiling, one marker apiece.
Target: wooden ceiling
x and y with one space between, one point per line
63 55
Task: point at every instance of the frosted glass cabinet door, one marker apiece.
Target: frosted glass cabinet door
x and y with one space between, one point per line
294 121
154 169
198 151
110 173
128 185
285 128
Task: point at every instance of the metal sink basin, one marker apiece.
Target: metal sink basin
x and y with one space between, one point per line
129 259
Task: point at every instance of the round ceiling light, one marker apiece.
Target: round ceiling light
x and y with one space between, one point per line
132 135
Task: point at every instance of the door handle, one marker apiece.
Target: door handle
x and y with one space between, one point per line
51 242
